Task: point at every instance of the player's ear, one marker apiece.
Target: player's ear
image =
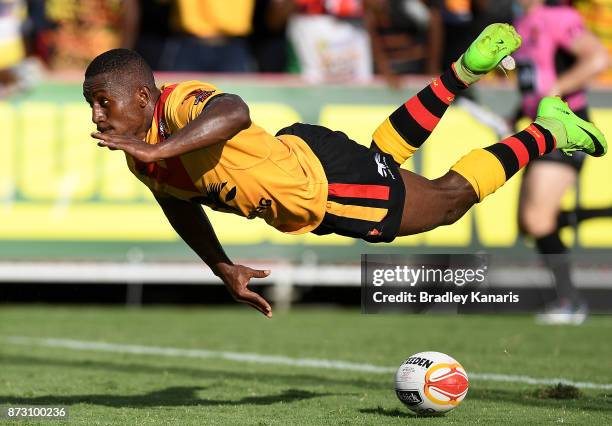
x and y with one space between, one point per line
144 96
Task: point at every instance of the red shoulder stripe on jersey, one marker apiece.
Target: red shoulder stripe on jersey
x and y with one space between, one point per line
159 110
174 174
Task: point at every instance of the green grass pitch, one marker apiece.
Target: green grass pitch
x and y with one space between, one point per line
118 388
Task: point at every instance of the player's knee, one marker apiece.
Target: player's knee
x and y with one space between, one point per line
536 222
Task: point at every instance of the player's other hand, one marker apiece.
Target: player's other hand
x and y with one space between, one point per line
236 279
137 148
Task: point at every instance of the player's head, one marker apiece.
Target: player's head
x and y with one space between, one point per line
120 88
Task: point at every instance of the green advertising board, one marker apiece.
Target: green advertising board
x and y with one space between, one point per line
62 197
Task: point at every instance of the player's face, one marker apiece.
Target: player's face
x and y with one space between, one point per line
115 107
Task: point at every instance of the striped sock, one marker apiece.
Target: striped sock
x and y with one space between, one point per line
489 168
404 131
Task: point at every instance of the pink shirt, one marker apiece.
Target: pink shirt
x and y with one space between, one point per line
545 31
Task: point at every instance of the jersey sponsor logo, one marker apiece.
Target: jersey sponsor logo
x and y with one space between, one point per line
264 204
200 95
383 168
215 200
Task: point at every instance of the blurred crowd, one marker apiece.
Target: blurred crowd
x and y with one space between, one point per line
324 40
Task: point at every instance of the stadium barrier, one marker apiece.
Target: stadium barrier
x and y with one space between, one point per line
285 279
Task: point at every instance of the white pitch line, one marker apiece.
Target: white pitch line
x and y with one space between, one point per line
80 345
197 353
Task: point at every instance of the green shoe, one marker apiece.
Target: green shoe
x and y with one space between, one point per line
492 45
571 132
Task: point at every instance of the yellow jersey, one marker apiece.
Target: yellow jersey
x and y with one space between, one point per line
254 174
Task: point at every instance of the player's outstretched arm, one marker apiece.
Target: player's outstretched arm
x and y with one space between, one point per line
223 118
191 223
591 59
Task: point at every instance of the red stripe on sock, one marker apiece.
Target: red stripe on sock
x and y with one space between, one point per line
375 192
441 91
519 150
426 119
539 137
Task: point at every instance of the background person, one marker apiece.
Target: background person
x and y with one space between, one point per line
330 41
209 36
558 57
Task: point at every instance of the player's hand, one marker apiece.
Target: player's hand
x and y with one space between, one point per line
137 148
236 279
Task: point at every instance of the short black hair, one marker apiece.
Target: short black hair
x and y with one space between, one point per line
124 62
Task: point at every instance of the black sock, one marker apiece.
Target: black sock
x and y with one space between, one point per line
557 260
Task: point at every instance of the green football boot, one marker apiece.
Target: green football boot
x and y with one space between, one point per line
493 44
571 132
492 47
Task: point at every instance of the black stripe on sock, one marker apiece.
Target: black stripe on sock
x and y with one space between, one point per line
408 128
452 82
506 156
548 137
431 102
530 143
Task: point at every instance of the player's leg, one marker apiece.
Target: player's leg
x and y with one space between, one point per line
409 126
577 215
476 175
580 214
429 204
432 203
543 186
